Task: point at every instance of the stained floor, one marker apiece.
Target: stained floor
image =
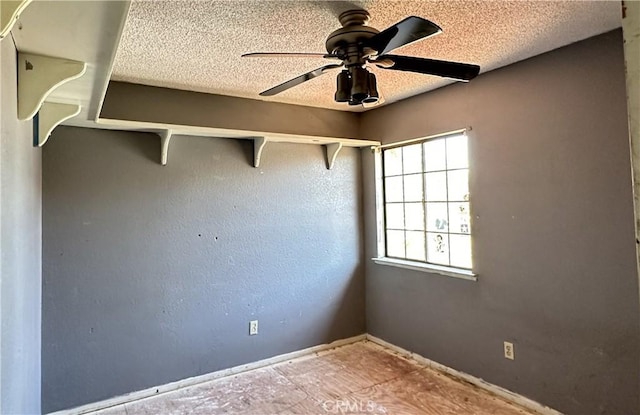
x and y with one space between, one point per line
360 378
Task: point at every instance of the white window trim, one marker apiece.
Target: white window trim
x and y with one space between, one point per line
462 273
381 259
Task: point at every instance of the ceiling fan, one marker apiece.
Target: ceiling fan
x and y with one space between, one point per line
360 47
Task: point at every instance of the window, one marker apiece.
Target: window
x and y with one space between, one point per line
425 202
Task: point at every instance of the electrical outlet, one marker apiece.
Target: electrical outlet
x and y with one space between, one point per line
509 352
253 327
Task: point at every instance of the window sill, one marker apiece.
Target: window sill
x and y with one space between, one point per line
464 274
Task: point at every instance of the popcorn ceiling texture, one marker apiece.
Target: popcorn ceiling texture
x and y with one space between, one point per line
196 45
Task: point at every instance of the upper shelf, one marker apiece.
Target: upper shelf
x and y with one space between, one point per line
88 32
83 31
146 108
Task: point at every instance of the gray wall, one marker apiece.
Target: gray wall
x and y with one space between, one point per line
135 102
553 233
20 248
152 274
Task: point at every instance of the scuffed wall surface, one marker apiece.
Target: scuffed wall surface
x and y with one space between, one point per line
152 273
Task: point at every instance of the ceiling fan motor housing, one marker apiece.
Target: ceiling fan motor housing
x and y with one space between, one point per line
355 84
354 31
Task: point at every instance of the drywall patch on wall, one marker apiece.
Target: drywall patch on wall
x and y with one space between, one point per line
21 253
152 273
553 233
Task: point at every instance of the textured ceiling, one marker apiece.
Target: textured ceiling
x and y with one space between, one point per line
196 45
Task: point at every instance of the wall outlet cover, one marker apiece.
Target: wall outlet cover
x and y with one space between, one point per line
253 327
509 352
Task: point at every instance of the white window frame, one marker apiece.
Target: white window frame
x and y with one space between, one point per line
381 257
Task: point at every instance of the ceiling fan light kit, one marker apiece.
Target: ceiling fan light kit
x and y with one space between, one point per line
361 47
343 89
373 90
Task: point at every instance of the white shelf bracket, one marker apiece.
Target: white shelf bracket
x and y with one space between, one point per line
165 138
258 146
9 14
49 117
38 76
332 152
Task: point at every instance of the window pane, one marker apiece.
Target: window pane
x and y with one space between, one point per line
458 182
393 189
434 155
437 218
427 212
394 215
395 244
459 218
457 155
415 246
438 248
461 251
392 161
412 158
414 213
413 188
436 187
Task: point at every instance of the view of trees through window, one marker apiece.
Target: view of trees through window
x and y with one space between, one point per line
426 201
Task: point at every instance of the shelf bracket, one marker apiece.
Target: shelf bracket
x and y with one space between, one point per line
10 13
258 146
332 152
49 117
38 76
165 138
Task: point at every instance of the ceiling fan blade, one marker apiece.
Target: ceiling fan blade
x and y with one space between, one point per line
298 80
402 33
455 70
288 55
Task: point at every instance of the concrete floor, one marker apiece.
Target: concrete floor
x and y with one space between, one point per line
360 378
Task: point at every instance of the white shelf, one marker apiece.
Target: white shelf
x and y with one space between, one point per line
39 76
9 14
66 55
333 145
49 117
